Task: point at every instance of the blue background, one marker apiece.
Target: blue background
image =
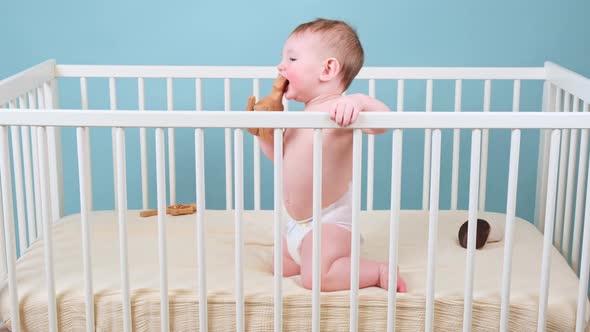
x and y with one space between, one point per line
393 33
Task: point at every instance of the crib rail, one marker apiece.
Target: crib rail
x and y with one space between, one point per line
221 119
27 80
563 184
555 121
410 73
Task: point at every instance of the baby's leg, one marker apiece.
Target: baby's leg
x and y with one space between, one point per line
384 279
336 262
290 268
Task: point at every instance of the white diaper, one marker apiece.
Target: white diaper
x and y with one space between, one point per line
338 213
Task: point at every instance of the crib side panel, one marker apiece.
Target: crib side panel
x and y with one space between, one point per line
559 195
224 88
566 91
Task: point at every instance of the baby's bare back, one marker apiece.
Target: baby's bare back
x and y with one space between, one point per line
298 169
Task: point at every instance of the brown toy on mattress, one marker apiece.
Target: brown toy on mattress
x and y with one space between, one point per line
174 210
272 102
487 231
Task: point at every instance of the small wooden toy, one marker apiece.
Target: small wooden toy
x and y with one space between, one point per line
174 210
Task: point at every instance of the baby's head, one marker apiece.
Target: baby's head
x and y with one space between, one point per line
321 51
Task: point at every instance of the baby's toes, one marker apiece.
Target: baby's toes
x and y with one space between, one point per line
401 284
383 276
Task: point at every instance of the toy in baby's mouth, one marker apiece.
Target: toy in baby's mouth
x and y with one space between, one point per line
487 231
272 102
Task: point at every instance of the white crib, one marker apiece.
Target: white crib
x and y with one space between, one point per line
38 290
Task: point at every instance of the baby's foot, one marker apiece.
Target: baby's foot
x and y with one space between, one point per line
384 279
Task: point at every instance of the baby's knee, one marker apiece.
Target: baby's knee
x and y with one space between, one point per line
326 282
307 285
307 280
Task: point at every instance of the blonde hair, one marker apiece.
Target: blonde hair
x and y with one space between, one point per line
343 39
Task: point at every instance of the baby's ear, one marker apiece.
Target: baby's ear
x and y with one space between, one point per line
330 70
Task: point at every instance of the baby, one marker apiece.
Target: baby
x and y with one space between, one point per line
319 61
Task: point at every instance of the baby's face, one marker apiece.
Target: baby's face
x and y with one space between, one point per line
301 64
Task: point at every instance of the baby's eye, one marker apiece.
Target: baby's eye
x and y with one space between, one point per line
292 59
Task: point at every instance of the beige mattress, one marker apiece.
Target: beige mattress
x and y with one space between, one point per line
258 282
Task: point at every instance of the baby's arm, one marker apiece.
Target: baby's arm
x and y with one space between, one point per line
347 108
267 146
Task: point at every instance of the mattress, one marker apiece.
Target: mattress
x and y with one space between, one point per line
258 277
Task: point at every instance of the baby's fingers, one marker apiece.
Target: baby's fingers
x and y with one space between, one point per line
355 115
350 110
340 110
333 113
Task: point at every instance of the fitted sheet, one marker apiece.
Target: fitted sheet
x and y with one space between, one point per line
258 278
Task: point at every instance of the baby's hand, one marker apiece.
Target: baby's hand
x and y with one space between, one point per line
345 111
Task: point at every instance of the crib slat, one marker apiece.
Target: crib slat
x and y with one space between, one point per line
52 141
400 96
396 171
582 161
370 157
162 252
199 94
84 93
317 230
565 138
549 224
472 227
550 95
47 234
36 171
357 145
256 152
171 148
456 149
484 148
239 246
84 100
509 236
516 96
89 170
29 194
3 267
8 229
585 267
18 185
121 187
432 228
87 262
285 104
201 255
569 196
228 146
113 107
278 235
427 147
143 147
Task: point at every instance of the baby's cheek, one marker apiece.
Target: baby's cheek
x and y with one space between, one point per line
293 78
